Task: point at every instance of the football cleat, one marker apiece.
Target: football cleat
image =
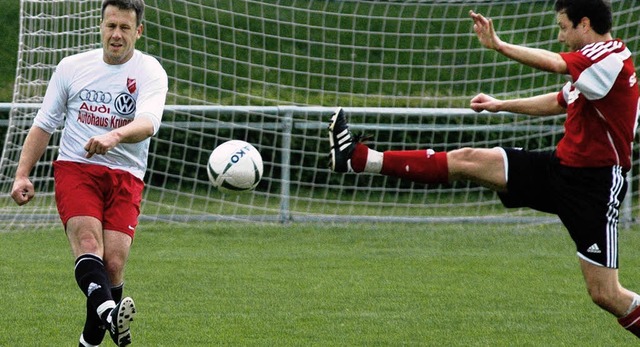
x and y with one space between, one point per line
121 317
84 343
341 141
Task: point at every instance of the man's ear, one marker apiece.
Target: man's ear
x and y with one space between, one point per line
140 29
585 24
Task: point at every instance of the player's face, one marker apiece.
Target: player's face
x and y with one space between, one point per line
569 35
119 34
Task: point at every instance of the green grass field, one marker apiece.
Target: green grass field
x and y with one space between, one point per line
323 285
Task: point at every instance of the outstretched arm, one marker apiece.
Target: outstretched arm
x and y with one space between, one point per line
541 105
34 146
537 58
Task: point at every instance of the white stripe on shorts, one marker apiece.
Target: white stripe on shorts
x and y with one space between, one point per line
612 216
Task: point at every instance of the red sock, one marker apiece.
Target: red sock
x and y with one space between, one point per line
423 166
631 321
359 157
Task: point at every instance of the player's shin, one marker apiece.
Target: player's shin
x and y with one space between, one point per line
116 292
423 166
365 159
92 279
94 329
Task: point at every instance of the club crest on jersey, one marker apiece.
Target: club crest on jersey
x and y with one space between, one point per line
131 85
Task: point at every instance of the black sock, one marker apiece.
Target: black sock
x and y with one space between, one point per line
116 292
92 279
94 329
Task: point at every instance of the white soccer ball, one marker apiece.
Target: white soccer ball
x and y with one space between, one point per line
235 166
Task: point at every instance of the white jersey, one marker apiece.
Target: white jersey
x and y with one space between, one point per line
96 98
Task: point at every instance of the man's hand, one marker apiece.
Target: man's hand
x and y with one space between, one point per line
101 144
483 102
22 191
485 31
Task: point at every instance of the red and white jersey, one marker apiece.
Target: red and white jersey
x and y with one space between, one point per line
96 98
602 106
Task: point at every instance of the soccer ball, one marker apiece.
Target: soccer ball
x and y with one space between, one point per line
235 166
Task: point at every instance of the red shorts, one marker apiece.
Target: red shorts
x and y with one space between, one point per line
111 196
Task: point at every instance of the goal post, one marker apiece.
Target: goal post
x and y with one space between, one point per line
271 73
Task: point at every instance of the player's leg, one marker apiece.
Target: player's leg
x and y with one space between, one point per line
117 248
85 239
605 291
116 252
94 329
588 203
120 221
483 166
79 198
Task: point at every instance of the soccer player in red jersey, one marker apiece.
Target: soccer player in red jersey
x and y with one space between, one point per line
582 180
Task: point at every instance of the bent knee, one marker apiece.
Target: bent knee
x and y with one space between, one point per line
475 156
607 299
484 166
115 270
601 299
465 154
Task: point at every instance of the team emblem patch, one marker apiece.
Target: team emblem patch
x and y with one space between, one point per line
131 85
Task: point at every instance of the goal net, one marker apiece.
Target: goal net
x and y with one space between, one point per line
271 73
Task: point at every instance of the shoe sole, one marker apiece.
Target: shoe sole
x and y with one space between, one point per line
332 124
332 152
126 312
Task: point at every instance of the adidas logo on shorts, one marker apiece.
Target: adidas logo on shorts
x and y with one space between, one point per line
594 249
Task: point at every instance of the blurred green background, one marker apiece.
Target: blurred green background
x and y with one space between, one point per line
10 19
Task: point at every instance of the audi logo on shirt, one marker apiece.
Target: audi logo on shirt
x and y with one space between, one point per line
95 96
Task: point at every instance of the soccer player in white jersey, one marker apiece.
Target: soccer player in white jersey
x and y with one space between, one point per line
582 181
110 102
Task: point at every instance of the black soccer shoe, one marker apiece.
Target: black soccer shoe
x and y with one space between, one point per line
121 317
341 141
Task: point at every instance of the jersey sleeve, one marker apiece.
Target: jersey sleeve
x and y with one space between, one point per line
593 77
153 94
576 63
54 106
563 95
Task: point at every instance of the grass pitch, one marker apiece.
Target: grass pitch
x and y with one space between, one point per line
323 285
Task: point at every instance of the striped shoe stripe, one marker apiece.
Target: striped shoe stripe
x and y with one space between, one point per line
343 136
344 140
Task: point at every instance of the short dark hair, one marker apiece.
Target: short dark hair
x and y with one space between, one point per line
598 12
136 5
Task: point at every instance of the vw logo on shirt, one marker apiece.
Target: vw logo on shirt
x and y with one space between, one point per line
125 104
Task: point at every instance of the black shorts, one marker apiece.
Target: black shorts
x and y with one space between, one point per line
587 200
